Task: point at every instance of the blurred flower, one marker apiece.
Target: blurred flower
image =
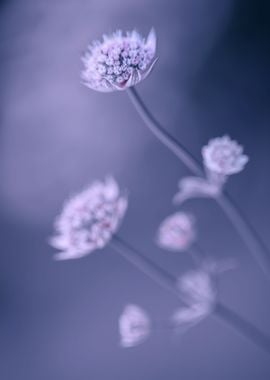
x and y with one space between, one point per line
191 187
89 220
176 232
119 61
196 287
198 290
224 156
134 326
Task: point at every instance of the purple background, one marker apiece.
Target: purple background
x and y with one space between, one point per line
59 320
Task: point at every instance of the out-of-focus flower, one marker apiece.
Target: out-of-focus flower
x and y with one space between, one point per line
197 287
134 326
89 220
119 61
176 232
198 290
192 187
224 156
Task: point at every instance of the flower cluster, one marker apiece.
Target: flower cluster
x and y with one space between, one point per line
176 232
224 156
119 61
89 219
134 326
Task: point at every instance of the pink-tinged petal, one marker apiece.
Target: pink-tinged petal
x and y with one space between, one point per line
149 70
69 255
151 41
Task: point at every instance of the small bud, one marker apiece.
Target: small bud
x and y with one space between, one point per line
176 232
134 326
224 156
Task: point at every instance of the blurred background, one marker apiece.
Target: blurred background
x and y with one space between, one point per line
58 320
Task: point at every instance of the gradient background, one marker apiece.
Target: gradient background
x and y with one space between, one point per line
58 320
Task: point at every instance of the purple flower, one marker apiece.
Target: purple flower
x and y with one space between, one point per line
224 156
89 220
119 61
176 232
134 326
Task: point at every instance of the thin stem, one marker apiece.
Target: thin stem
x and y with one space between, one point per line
197 254
245 230
167 281
244 327
162 135
145 265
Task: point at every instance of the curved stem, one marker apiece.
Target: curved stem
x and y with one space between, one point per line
247 233
162 135
167 281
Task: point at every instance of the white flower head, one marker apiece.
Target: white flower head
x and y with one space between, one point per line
89 220
224 156
176 232
134 326
119 61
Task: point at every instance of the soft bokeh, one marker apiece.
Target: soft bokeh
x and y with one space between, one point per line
59 320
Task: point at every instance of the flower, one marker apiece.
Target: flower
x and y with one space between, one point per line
134 326
224 156
176 232
198 291
89 220
197 287
119 61
192 187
